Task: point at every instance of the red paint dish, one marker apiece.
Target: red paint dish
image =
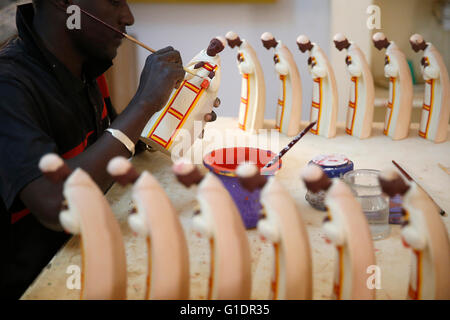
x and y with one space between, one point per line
225 161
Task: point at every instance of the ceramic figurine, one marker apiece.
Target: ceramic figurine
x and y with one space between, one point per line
85 212
253 89
324 105
425 233
362 92
282 224
346 227
289 109
399 106
192 101
156 220
436 105
218 219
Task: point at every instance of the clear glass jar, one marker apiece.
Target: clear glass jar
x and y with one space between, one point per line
366 187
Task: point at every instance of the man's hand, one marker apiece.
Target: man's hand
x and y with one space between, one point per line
199 65
163 71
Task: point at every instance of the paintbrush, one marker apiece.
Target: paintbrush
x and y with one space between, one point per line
407 176
129 37
290 145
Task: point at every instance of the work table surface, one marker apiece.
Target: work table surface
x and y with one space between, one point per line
418 156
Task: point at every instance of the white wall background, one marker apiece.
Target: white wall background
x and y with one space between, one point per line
190 27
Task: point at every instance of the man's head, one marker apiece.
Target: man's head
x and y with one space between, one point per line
417 42
268 40
304 44
93 40
380 41
233 39
216 46
341 42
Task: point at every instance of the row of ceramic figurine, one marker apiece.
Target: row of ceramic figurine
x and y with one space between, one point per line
436 107
104 276
195 98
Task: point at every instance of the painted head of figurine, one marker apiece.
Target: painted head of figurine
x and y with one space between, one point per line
54 168
122 171
380 41
233 39
268 40
186 172
392 184
315 179
341 41
216 46
250 176
303 43
417 42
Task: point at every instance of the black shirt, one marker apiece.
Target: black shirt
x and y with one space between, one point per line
43 108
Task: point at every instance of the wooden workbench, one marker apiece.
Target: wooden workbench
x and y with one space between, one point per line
418 156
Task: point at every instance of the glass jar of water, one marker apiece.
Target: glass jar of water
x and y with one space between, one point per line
365 185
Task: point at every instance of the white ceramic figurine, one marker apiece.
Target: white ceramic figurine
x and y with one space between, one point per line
436 105
155 219
346 227
253 89
399 106
425 233
281 223
289 108
85 212
324 105
219 220
192 101
362 92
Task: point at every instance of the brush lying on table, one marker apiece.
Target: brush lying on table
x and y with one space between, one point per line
407 176
290 145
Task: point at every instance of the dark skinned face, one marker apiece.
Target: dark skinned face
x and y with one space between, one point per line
341 44
269 43
215 47
94 39
418 46
381 44
234 43
304 46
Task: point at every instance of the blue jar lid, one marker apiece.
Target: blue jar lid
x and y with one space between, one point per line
334 165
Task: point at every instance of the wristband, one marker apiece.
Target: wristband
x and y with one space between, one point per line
119 135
